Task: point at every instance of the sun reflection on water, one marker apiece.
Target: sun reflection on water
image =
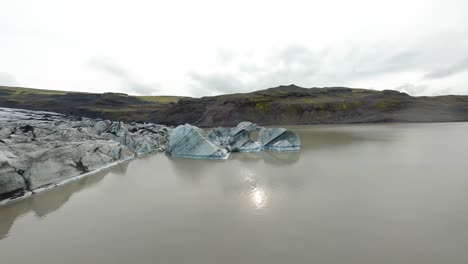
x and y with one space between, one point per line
258 197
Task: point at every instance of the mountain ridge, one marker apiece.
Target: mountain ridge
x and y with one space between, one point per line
281 105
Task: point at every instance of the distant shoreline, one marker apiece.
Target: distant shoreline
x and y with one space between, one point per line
282 105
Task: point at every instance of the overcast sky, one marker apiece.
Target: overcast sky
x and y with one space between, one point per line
202 47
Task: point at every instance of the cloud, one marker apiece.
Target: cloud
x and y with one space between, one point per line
291 64
302 66
225 56
381 60
127 81
109 67
8 79
382 64
214 83
448 71
412 89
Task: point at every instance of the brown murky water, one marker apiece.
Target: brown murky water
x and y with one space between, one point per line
353 194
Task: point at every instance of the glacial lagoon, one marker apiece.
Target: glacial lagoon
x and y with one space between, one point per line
381 193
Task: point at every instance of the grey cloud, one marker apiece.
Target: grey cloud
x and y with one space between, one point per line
381 61
292 64
127 81
298 54
341 65
225 56
218 83
412 89
445 91
139 88
109 67
8 79
422 89
448 71
302 66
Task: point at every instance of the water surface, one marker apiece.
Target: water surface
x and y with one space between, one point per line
354 194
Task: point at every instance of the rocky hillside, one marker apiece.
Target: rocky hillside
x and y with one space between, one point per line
113 106
291 104
281 105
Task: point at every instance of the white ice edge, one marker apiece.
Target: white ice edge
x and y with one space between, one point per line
283 149
60 183
201 157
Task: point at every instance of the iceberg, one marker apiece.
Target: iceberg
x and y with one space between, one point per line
279 139
192 142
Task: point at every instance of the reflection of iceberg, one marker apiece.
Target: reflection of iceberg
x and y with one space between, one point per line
191 170
53 199
275 158
49 201
281 158
10 213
